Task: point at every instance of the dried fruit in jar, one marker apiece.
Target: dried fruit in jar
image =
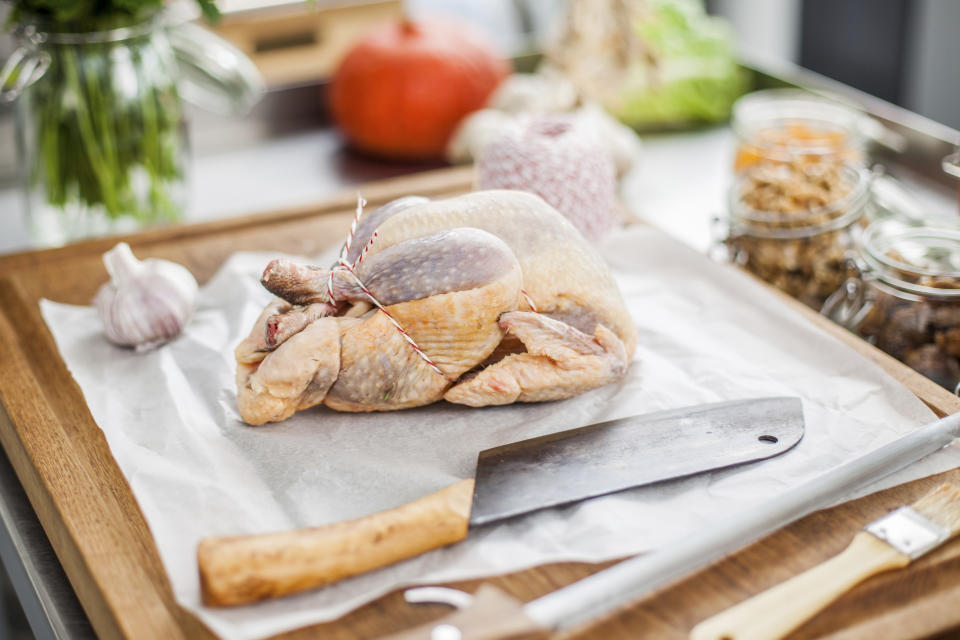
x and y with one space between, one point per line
796 190
794 142
923 332
791 226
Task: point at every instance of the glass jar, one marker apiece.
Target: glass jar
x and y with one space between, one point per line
951 165
787 125
794 225
100 125
905 298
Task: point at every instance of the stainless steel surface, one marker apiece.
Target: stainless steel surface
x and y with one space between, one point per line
623 583
951 164
909 532
581 463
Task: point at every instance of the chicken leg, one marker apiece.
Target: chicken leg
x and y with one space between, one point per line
560 362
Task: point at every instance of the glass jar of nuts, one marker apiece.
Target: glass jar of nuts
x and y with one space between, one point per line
906 298
789 125
794 225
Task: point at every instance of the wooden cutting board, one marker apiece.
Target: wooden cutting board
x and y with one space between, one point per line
99 534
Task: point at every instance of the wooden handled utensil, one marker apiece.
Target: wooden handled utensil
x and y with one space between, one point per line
511 480
891 542
243 569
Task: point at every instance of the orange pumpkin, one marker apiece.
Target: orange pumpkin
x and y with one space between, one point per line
402 89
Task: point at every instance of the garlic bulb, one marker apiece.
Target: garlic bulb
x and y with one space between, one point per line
146 303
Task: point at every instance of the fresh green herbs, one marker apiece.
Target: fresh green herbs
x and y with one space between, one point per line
102 130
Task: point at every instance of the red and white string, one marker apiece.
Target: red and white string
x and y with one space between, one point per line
343 265
526 296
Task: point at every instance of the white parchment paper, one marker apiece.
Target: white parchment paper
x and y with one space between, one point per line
707 333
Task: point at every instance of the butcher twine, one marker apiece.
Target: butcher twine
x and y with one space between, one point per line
343 265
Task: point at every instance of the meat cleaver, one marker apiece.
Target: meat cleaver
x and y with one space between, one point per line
511 480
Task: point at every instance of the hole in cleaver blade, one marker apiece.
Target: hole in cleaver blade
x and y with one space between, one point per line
569 466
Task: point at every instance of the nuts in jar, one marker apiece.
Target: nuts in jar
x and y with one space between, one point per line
793 225
789 125
906 299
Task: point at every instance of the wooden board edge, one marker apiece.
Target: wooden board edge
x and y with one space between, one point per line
940 400
67 552
923 617
24 402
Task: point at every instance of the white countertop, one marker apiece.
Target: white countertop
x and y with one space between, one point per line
678 183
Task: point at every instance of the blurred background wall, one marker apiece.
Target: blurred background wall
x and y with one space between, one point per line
904 51
932 73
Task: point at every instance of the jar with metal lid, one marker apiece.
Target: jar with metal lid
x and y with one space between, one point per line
794 225
789 125
906 297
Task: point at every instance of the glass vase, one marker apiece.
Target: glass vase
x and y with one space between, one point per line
100 123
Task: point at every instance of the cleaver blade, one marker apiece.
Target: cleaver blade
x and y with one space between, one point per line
569 466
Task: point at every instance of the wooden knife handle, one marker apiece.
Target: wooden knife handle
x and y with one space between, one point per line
781 609
243 569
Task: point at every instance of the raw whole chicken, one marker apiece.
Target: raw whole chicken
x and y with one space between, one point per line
459 276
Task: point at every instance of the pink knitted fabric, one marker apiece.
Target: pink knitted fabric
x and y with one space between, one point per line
555 158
